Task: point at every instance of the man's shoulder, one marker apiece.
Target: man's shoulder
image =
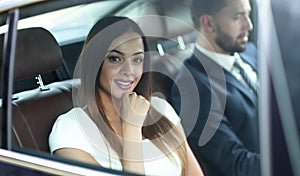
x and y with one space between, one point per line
194 61
201 66
192 73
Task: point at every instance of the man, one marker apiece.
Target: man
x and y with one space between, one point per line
224 135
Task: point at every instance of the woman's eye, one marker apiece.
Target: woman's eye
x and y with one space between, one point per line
138 60
114 59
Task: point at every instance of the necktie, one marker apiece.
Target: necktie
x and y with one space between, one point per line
252 85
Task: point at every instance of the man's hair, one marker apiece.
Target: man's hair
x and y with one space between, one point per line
201 7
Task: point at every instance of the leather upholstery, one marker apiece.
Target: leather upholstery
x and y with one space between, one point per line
34 111
37 52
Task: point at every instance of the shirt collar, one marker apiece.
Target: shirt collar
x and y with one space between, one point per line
225 61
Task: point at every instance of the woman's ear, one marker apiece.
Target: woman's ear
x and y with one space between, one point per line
207 23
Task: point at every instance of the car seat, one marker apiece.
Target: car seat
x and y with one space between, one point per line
34 111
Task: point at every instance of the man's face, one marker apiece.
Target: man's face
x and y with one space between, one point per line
232 26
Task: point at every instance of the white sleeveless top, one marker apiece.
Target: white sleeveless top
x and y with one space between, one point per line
75 129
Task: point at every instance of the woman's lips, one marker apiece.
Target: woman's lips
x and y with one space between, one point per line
124 84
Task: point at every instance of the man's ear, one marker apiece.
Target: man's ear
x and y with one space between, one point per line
207 23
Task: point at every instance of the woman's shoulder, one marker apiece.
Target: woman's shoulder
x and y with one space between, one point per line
70 121
74 129
165 108
72 114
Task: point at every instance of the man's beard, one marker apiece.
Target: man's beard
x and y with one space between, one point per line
227 43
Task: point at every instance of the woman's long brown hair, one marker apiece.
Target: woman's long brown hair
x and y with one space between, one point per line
162 133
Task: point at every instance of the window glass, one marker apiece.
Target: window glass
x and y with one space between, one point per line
67 26
71 24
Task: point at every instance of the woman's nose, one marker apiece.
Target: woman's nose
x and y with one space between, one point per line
127 68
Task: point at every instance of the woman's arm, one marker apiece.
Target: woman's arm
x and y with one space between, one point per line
193 167
76 154
133 160
133 113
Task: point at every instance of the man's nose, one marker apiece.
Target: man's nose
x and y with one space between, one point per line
248 24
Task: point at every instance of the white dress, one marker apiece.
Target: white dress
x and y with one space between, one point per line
75 129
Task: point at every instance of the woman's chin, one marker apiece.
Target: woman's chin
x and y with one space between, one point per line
119 95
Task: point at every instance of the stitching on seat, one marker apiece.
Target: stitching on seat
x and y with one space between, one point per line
17 136
22 116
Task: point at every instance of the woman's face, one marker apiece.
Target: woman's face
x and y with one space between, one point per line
122 67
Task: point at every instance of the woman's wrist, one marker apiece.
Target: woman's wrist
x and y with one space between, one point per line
132 132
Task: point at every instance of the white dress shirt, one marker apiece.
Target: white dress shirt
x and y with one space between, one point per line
227 61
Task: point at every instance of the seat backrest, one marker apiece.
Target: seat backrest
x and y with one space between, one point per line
34 111
171 37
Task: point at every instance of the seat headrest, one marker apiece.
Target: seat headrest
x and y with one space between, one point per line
164 19
37 51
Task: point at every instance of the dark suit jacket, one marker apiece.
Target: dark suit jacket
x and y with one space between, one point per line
221 119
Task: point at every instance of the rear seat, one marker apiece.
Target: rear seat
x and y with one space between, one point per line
171 40
34 111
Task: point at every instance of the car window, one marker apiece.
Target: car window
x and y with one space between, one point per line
68 26
71 24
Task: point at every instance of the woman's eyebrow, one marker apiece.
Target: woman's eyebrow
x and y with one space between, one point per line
116 51
119 52
140 52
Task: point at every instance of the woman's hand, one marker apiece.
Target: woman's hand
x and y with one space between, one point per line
134 109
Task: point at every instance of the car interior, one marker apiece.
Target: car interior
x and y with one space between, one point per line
46 58
43 71
49 44
34 110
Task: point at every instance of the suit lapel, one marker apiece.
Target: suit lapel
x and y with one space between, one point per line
230 79
250 61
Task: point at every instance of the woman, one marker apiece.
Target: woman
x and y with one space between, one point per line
117 123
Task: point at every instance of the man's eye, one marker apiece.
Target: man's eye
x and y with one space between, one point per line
237 17
138 60
114 59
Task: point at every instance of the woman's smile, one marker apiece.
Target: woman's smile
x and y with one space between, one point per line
124 84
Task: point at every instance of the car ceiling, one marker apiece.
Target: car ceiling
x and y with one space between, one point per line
47 6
